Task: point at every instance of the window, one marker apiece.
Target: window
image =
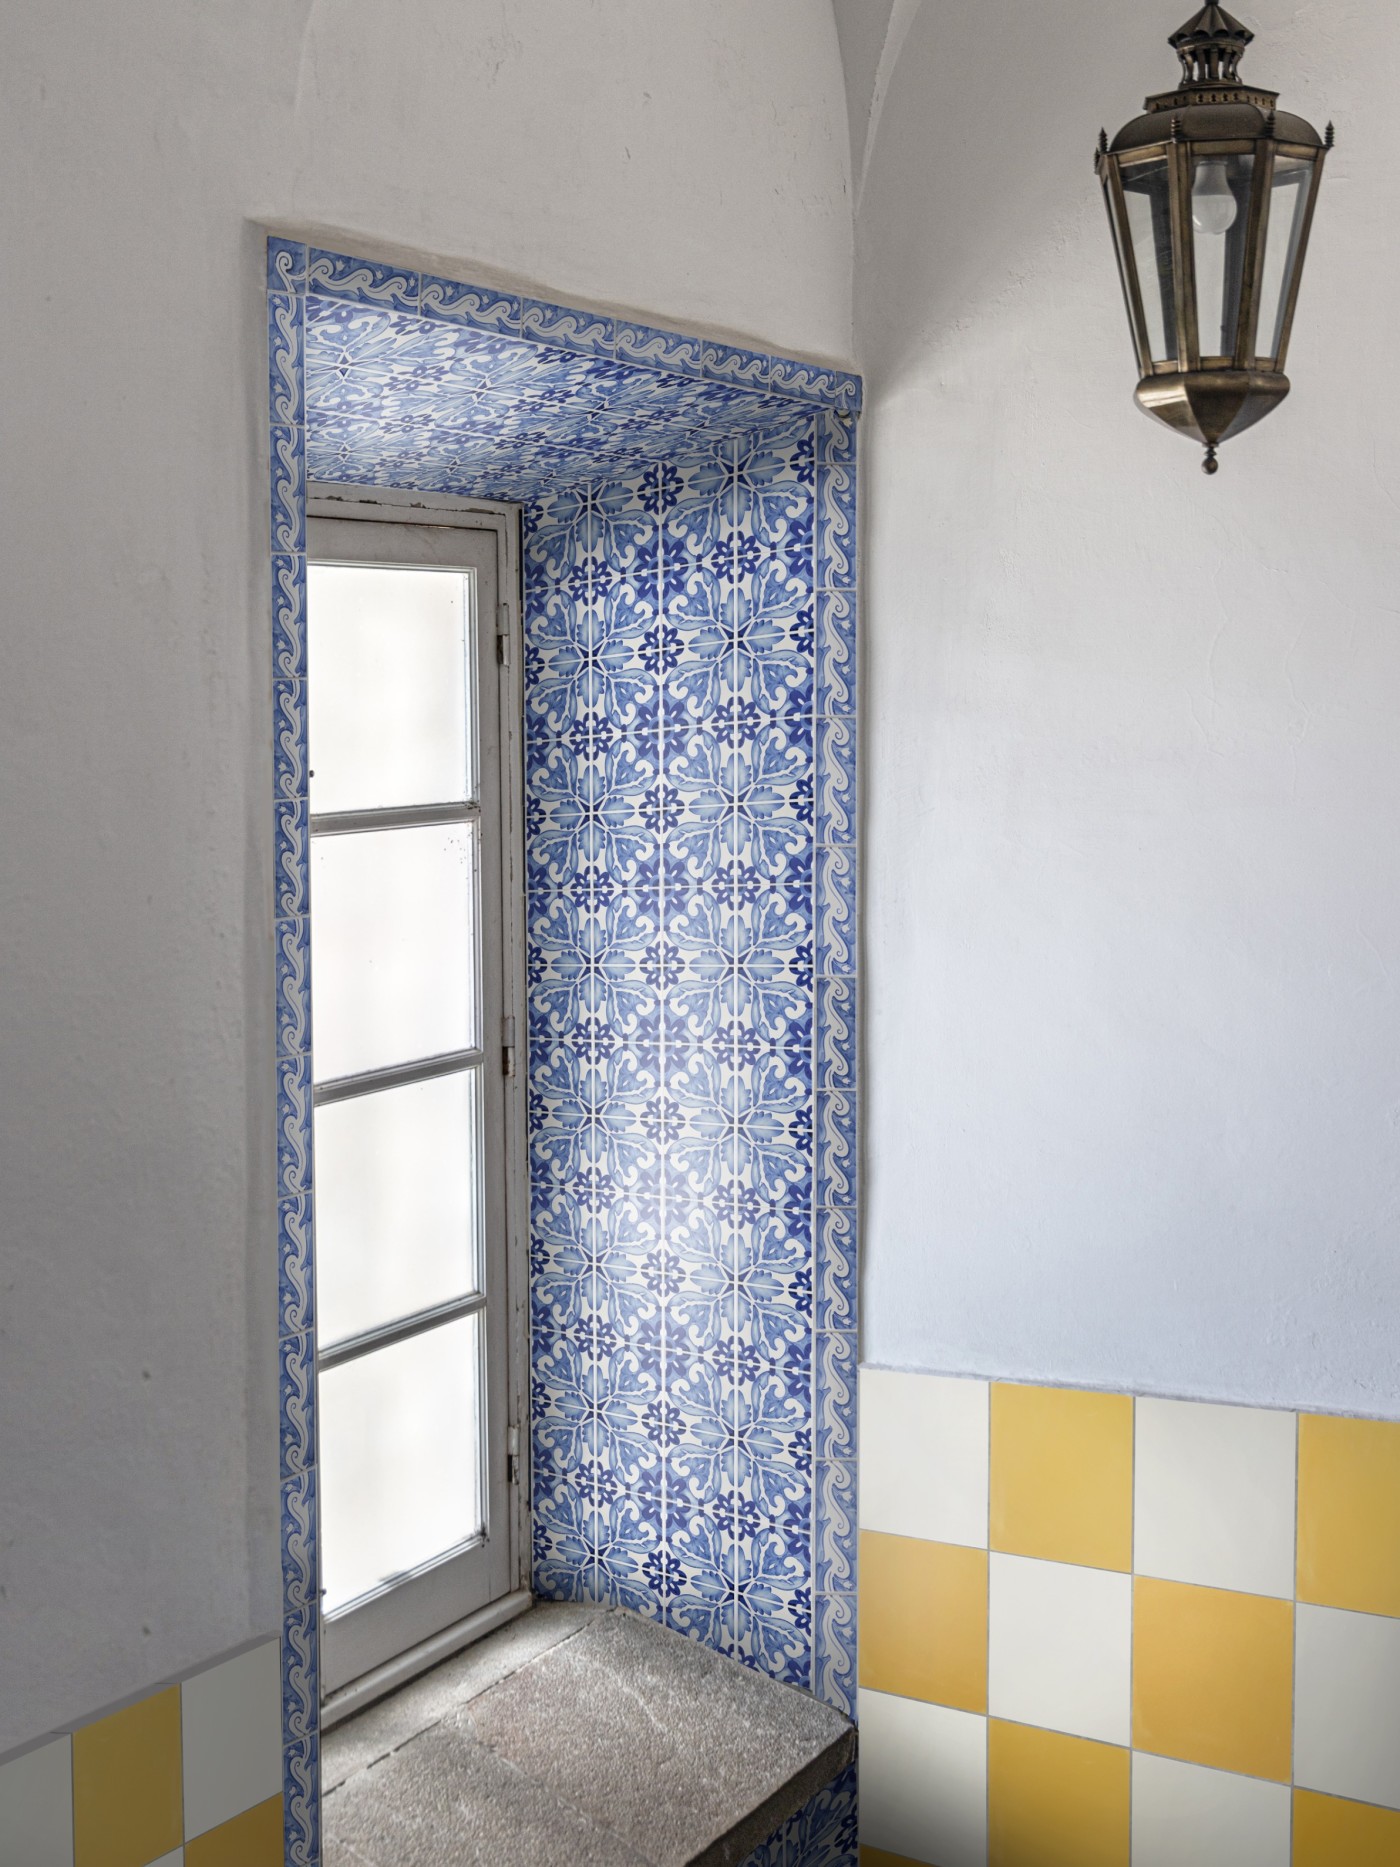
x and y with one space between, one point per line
416 944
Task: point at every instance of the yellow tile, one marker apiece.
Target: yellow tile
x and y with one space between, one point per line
253 1839
1055 1801
1349 1513
1328 1832
1213 1677
1062 1475
877 1857
923 1620
126 1785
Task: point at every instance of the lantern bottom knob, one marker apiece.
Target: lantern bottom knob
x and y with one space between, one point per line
1210 464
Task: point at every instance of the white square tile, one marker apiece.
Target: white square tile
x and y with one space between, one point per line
36 1807
1184 1816
1214 1496
231 1720
1346 1727
923 1781
1061 1645
925 1450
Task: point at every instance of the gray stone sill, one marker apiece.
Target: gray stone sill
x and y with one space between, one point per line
576 1737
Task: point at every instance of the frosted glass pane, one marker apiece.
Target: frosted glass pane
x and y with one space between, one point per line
389 696
393 959
400 1459
397 1203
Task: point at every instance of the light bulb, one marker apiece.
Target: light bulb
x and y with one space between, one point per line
1214 208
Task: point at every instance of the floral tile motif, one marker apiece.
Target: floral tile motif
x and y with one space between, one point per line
475 391
823 1834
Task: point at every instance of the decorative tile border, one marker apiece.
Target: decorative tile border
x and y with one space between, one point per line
292 268
597 1334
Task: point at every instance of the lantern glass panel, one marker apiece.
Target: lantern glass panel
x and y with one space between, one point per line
1288 209
1220 187
1147 193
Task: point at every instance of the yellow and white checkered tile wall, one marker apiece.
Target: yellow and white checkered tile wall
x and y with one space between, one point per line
190 1776
1105 1632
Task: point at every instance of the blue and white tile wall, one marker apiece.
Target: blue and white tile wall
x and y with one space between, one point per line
823 1834
691 837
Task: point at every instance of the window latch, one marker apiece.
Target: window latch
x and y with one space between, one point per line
507 1046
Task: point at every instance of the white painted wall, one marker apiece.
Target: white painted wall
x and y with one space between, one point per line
685 160
1132 755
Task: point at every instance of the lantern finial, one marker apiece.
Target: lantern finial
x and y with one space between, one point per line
1210 47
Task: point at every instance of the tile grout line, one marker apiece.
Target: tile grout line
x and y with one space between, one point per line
1297 1550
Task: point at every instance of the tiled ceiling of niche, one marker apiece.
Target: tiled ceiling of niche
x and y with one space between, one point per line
394 399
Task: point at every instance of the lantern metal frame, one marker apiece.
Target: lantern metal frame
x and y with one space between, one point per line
1213 115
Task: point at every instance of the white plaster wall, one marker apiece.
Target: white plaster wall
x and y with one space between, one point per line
684 159
1132 761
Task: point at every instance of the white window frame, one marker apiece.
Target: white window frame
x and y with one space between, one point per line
383 505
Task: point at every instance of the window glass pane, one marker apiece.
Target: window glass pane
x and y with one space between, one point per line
1148 197
1288 206
397 1203
1220 228
393 957
390 703
400 1438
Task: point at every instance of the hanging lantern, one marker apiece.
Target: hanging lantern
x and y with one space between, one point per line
1210 196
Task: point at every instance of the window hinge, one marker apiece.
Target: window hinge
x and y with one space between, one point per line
513 1456
503 635
508 1046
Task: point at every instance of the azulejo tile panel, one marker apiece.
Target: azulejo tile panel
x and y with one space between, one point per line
690 862
823 1834
683 1395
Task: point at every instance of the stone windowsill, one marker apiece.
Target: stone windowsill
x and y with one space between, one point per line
577 1737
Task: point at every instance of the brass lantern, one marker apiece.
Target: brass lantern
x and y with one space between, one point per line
1210 196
